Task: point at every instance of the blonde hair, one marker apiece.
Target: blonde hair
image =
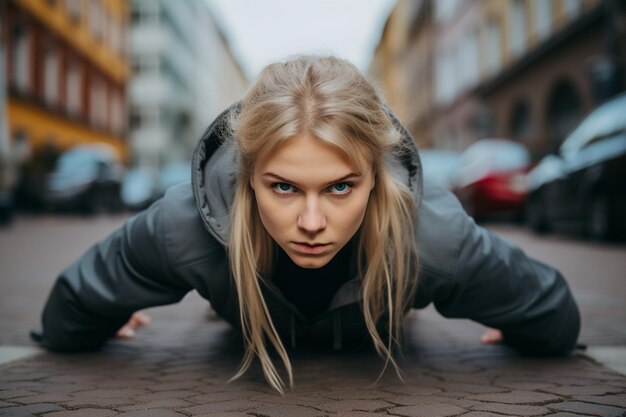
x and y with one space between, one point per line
329 99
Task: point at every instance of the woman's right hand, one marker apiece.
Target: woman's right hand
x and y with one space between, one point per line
137 320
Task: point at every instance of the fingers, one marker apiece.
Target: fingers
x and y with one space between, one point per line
140 318
126 332
491 336
129 330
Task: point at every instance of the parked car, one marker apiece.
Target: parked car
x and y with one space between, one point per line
440 166
490 178
174 173
86 178
583 188
139 189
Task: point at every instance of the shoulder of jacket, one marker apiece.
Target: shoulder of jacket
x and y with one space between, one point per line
185 237
441 226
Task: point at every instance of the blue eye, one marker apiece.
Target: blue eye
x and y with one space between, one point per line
340 188
283 188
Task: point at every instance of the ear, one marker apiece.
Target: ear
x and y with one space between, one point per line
251 181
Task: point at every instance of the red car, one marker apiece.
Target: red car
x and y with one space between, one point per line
491 178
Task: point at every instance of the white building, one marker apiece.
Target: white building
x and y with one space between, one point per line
183 75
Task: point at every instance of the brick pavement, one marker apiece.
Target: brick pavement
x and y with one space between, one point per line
179 366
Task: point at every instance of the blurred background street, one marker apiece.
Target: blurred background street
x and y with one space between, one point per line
518 107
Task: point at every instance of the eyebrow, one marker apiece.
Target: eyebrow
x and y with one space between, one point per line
278 177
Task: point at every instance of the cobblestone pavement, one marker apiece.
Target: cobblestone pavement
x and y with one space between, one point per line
180 365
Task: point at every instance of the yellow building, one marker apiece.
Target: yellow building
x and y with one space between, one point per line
402 66
66 72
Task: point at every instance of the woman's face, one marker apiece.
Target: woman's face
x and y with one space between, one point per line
311 199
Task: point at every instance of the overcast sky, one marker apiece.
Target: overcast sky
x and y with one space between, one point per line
264 31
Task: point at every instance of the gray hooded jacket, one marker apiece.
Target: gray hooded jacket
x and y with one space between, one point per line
178 244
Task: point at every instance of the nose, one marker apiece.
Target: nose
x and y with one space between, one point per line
312 218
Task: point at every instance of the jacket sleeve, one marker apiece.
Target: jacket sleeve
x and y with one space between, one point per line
96 295
495 283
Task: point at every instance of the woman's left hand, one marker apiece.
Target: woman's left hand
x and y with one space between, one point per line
137 320
491 337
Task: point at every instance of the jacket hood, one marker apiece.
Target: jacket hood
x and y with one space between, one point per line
215 165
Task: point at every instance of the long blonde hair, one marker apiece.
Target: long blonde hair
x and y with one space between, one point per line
329 99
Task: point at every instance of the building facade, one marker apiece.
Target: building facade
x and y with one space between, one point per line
183 75
546 74
526 70
66 70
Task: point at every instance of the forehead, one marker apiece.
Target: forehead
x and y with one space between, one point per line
304 156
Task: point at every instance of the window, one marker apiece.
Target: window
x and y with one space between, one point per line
115 38
21 58
117 113
572 7
51 76
469 64
98 106
493 51
517 27
446 9
73 9
543 17
74 89
521 125
96 19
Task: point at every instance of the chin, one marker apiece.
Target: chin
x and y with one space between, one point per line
310 262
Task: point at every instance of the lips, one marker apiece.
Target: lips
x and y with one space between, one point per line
310 248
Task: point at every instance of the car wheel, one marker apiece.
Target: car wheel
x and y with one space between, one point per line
599 225
536 215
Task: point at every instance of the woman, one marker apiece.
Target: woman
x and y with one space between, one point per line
306 215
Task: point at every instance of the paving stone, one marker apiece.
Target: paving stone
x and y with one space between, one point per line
476 388
585 390
616 400
174 386
524 386
360 414
220 396
517 397
310 400
589 409
355 394
8 394
43 398
83 412
151 413
239 405
416 399
514 410
287 411
98 402
355 405
412 389
228 415
565 415
163 403
179 394
112 393
427 410
28 410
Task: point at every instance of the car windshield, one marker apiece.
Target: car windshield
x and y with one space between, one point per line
496 155
606 120
80 161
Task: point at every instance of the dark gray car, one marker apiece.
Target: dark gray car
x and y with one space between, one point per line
583 187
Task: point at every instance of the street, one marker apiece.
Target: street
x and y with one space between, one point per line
180 364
